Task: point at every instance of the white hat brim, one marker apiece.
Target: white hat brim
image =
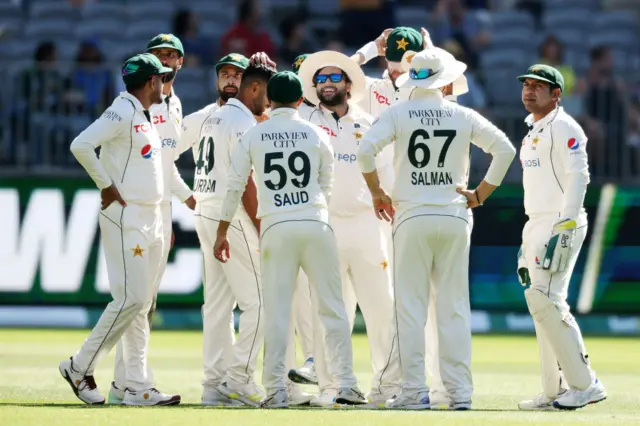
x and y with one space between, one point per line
450 73
330 58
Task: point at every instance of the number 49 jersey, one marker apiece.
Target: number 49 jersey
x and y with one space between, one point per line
213 133
432 145
293 163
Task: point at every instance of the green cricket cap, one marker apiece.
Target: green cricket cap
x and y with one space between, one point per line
234 59
544 73
140 67
400 40
284 87
166 40
298 61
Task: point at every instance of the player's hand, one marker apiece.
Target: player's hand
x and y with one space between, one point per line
173 239
472 197
221 249
383 206
109 195
426 38
261 58
381 41
523 270
191 202
558 249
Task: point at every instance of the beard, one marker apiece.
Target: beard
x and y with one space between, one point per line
337 98
225 95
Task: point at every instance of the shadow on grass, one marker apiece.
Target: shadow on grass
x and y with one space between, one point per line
201 407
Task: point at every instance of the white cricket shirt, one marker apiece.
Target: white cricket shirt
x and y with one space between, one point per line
167 118
130 154
431 157
213 133
350 193
381 94
555 168
293 167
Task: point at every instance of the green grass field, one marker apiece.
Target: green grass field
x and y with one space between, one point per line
505 370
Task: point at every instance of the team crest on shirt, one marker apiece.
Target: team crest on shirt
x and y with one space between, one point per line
534 143
384 264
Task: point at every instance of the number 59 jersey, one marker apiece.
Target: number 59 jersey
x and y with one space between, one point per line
432 149
213 133
292 160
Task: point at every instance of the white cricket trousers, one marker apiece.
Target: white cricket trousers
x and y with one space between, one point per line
366 281
285 247
120 370
301 322
133 243
535 235
225 284
431 260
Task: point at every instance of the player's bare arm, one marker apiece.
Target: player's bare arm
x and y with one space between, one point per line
250 201
109 195
382 204
478 196
221 247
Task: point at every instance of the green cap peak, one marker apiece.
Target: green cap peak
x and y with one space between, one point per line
168 41
400 40
235 59
545 73
142 66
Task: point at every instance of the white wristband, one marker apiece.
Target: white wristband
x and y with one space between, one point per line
369 51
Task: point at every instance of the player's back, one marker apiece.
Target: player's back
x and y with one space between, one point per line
293 164
432 150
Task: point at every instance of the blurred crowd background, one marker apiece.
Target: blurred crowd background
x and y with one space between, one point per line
60 62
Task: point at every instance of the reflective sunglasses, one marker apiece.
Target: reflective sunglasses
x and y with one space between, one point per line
335 78
421 74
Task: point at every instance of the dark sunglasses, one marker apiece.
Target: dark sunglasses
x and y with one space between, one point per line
335 78
421 74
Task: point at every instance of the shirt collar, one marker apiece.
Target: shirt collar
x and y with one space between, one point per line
352 112
133 99
283 112
544 120
419 93
237 103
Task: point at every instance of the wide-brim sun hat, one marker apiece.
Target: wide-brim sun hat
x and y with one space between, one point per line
431 68
330 58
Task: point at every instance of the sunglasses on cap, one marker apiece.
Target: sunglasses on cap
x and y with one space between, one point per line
335 78
422 73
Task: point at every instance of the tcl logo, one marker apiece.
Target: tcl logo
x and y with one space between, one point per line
144 127
381 98
328 130
157 119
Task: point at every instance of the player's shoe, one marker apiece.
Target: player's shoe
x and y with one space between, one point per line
378 399
326 399
297 396
439 400
278 399
540 402
116 395
247 393
84 387
416 401
149 397
212 397
574 398
461 406
305 375
350 396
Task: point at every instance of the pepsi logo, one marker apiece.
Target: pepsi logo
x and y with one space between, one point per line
146 151
573 144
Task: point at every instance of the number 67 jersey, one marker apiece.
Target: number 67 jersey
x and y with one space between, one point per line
213 133
432 145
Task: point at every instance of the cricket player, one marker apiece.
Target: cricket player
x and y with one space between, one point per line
335 83
229 376
393 44
555 177
167 117
432 220
130 176
293 163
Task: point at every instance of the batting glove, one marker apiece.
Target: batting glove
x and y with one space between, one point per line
558 249
523 270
